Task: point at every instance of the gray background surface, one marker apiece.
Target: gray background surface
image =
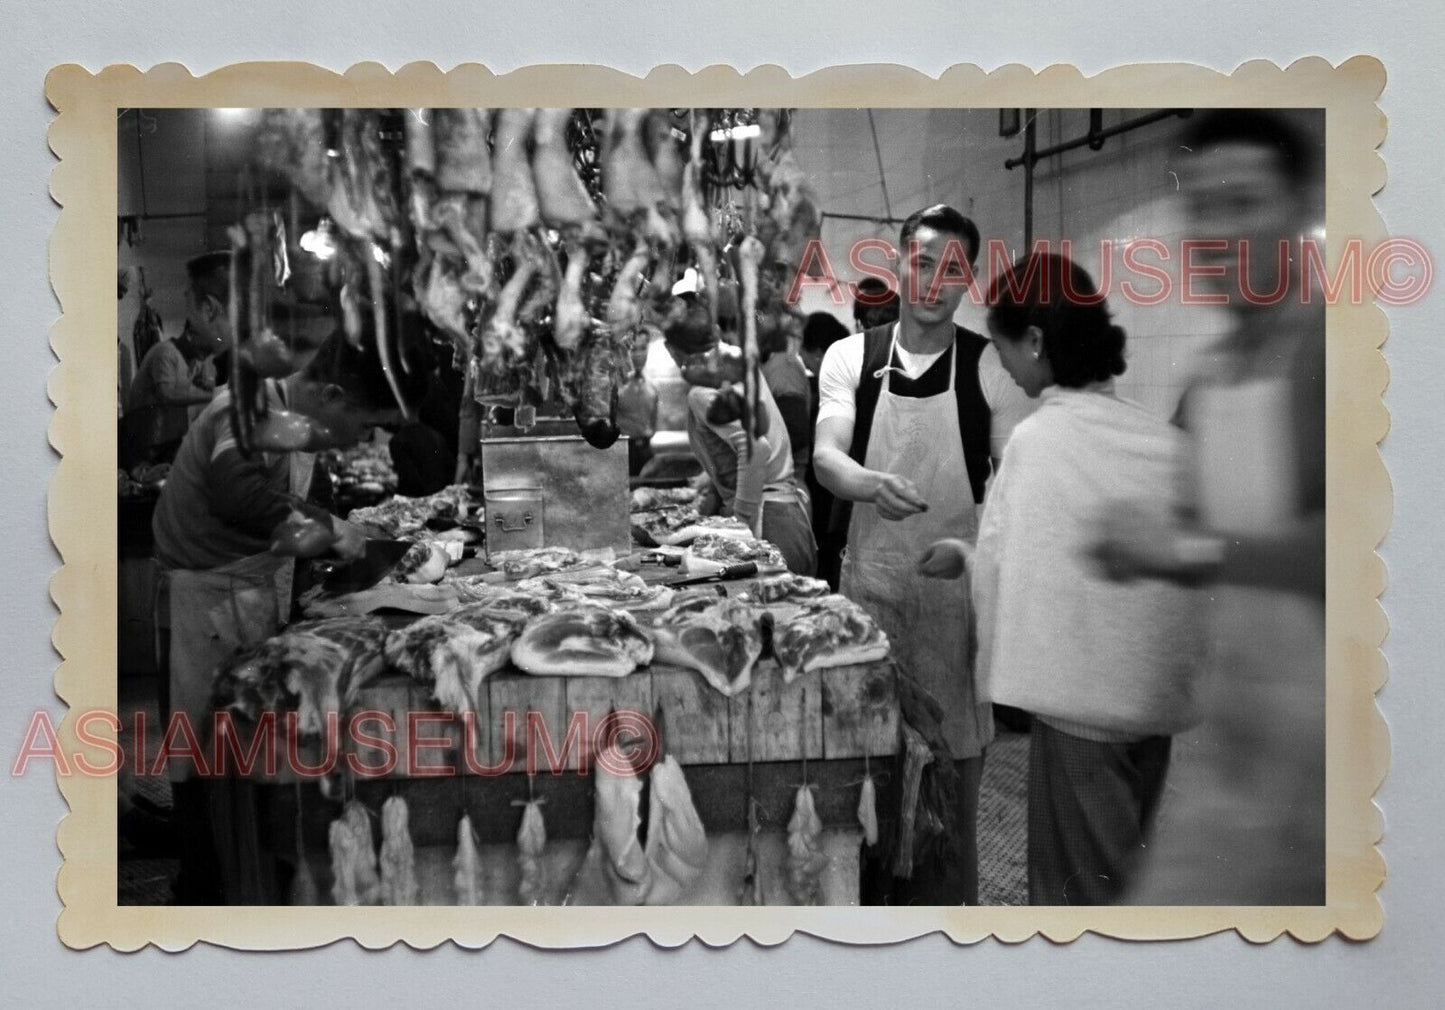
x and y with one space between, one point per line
1402 967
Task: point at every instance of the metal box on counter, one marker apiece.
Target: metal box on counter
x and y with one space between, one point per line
555 491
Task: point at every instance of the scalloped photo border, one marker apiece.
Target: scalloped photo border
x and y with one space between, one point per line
83 528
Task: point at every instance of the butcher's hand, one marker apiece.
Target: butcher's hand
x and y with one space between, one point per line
898 498
350 540
945 559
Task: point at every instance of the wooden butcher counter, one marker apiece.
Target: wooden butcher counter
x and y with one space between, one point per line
828 727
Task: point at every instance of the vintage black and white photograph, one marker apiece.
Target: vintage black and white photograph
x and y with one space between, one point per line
721 506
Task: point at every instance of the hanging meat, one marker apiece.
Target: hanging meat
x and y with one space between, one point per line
624 306
619 868
531 841
514 193
676 842
504 343
750 257
398 857
361 199
593 381
293 142
355 880
443 299
696 224
463 162
303 890
635 195
637 401
667 157
467 865
570 319
868 811
793 215
561 195
806 859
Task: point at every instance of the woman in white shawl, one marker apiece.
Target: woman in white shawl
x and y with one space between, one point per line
1106 669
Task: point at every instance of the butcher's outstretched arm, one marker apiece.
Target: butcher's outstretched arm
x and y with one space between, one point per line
837 471
896 497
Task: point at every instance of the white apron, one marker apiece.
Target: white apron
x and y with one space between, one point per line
214 612
927 620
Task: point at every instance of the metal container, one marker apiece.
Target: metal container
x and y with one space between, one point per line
576 496
516 519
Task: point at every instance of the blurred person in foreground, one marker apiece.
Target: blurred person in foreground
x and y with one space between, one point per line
1106 669
1249 824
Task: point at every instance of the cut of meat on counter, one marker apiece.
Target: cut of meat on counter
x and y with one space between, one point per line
426 562
605 585
721 640
586 640
832 631
311 668
646 499
453 652
680 524
711 552
526 564
502 600
398 857
403 518
355 880
785 588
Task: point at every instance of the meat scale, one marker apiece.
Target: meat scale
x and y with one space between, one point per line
545 486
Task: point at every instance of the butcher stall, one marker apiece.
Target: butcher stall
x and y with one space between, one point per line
546 683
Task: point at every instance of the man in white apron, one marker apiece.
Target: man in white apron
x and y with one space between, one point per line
903 435
221 588
1244 819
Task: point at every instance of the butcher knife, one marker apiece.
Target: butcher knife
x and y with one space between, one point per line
739 571
366 571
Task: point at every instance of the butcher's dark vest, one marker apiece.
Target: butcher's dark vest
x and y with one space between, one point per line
974 415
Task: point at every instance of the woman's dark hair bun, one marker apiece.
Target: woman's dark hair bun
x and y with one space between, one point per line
1082 344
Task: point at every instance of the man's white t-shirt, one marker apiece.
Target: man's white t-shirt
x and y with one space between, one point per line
842 368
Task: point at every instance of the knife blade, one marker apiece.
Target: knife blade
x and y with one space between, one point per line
366 571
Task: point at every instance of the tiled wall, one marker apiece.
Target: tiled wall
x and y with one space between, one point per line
1124 191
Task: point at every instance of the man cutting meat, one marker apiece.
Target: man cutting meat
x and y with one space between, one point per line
762 490
904 439
221 586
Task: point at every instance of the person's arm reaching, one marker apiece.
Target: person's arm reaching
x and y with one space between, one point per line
751 474
896 497
1133 544
243 494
